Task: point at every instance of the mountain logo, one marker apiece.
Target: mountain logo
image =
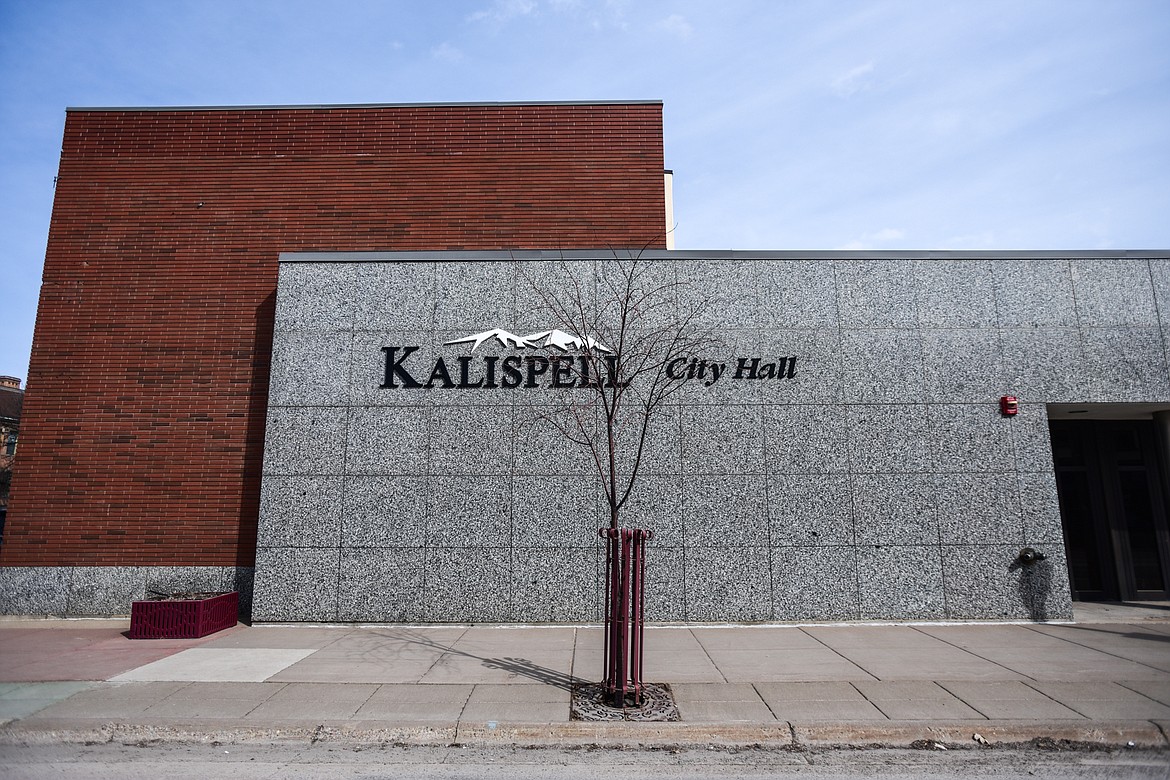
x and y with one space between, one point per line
566 341
556 338
499 334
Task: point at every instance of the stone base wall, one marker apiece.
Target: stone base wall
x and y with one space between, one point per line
102 591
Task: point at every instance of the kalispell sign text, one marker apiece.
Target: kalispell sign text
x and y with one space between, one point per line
512 371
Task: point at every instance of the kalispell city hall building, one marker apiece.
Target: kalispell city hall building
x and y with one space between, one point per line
291 351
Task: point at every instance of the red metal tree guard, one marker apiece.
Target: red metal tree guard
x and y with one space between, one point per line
625 573
183 618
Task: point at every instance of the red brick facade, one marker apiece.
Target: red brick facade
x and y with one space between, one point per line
143 423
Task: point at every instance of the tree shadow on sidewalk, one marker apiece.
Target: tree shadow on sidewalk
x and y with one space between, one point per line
521 667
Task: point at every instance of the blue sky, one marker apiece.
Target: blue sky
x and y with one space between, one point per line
790 124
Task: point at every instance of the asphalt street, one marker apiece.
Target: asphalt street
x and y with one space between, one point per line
179 762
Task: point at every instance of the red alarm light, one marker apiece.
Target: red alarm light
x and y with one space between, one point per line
1009 406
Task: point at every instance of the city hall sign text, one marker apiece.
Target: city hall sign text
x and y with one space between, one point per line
598 368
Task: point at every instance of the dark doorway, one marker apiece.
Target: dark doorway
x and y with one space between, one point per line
1113 509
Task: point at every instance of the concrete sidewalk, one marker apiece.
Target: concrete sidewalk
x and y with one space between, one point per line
1103 682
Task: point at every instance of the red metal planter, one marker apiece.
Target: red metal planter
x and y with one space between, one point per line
184 619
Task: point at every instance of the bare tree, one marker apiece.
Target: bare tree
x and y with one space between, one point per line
628 334
628 322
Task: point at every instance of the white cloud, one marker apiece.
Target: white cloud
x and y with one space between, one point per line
590 13
677 26
503 10
852 81
446 53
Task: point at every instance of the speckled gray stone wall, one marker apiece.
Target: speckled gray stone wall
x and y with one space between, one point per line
881 482
98 591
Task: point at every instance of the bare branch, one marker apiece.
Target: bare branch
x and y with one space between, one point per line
634 317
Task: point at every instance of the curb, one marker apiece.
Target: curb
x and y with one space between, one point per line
653 736
50 732
961 734
629 735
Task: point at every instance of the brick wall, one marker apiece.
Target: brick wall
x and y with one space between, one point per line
142 435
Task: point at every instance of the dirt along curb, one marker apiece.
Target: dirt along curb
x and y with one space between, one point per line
781 736
964 734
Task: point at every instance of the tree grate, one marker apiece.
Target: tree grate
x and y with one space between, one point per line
657 705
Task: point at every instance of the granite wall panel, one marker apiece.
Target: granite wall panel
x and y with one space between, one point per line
305 369
469 511
666 584
1124 364
977 508
728 583
556 585
34 590
882 366
305 440
1040 510
541 448
1160 278
296 584
384 511
1044 364
1114 292
663 445
104 590
381 584
894 509
955 293
876 293
903 582
303 511
879 481
1034 293
970 437
561 511
810 510
472 440
796 294
889 439
805 439
962 365
834 570
389 440
319 299
472 585
1032 440
735 301
730 443
108 591
404 297
726 510
533 280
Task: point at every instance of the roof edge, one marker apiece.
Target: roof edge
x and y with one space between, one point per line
721 254
329 106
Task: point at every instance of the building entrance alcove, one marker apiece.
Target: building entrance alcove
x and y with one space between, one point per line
1111 479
